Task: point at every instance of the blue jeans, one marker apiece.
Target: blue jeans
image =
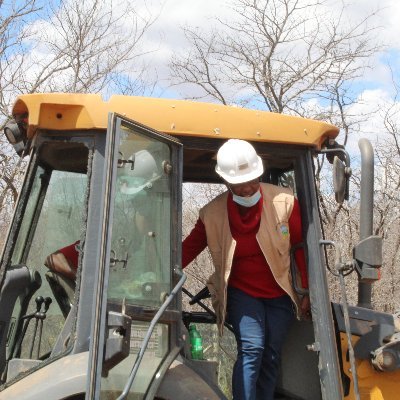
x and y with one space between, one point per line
260 327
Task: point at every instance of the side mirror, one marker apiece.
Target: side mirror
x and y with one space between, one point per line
15 132
340 180
338 156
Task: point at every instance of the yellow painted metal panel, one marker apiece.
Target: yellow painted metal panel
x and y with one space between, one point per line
59 111
373 385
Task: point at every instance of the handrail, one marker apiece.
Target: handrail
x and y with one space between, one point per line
294 270
343 270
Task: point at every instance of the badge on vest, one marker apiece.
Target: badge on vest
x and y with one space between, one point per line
284 231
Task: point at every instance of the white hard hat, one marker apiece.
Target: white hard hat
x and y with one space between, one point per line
238 162
140 173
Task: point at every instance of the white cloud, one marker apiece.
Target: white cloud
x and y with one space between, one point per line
166 38
371 104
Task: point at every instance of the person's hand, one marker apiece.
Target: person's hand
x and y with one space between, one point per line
305 307
57 262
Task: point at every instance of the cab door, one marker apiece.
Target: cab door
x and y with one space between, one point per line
132 342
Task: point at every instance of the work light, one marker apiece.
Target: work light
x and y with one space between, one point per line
15 136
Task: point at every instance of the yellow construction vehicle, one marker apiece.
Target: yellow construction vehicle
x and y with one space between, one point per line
107 176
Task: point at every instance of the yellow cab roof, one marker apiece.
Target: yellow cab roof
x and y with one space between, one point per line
69 112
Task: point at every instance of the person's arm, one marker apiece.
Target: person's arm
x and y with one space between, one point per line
64 261
194 243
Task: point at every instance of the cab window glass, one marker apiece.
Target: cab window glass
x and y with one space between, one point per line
140 264
140 245
28 218
53 218
59 223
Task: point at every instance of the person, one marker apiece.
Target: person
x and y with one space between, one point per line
135 176
249 230
64 261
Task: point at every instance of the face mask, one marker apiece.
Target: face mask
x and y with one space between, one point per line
247 201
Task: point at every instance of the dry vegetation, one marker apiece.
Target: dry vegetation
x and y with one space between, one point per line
276 55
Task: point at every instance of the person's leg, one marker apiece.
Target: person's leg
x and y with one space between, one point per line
246 315
279 315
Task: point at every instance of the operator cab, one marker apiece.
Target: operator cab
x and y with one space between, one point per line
116 188
58 195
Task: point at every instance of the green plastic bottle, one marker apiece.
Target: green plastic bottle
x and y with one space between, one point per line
196 343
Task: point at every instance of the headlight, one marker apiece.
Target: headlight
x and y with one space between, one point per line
15 136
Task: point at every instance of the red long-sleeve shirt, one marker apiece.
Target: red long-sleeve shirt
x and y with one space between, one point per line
71 253
250 271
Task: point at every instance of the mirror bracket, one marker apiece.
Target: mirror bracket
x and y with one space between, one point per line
367 256
338 156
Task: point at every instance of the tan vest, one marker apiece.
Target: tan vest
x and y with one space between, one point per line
273 238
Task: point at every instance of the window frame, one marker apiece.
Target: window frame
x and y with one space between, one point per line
173 315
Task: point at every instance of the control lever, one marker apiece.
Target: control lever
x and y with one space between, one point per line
203 294
47 302
39 301
39 317
42 316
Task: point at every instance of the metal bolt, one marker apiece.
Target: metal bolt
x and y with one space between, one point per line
313 347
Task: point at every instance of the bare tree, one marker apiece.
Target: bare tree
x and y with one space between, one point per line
83 46
295 57
283 56
387 206
72 46
13 17
68 46
277 55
